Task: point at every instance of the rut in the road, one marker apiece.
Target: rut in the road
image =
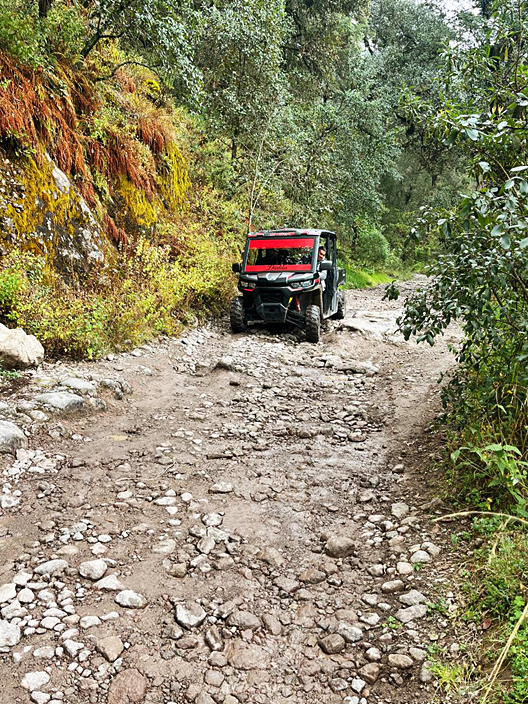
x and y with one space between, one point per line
232 531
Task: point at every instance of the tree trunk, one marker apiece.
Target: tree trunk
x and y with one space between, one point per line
44 6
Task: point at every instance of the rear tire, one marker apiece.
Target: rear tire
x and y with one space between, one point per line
237 316
313 323
341 306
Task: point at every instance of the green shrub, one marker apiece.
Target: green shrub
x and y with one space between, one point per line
65 30
372 247
21 33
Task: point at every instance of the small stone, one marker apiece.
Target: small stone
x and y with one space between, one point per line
312 576
425 676
206 545
407 615
130 599
47 652
243 656
400 661
340 546
164 547
404 568
89 621
221 488
110 584
7 592
40 697
420 556
393 586
61 401
9 634
358 685
128 687
412 598
110 648
373 654
243 620
72 647
35 680
272 624
189 615
399 510
26 596
369 672
332 644
431 549
349 632
51 568
94 569
417 654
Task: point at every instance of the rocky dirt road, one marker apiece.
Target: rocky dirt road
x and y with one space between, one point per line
226 519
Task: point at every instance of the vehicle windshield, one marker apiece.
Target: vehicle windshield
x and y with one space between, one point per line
286 254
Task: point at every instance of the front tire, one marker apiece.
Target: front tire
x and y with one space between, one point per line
237 317
341 306
313 323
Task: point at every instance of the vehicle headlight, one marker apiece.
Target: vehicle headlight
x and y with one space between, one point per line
306 284
248 285
296 284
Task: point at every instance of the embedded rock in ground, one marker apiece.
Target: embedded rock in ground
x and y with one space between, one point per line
189 615
11 438
412 598
399 510
244 656
406 615
110 648
420 556
243 620
130 599
9 634
19 350
94 569
7 592
128 687
35 680
402 662
80 385
350 633
369 672
52 567
110 584
340 546
61 401
332 644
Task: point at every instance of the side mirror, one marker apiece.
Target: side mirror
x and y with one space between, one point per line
341 277
236 268
325 265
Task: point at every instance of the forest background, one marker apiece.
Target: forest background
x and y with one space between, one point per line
141 139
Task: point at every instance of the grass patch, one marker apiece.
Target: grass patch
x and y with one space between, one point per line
365 278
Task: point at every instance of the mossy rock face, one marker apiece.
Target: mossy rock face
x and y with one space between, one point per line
43 212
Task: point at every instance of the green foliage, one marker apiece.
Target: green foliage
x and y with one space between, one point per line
481 276
371 247
495 592
496 470
20 33
146 297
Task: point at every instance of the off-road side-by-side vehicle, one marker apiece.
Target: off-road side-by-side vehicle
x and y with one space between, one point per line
284 278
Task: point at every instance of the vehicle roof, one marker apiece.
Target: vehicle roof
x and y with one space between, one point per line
292 232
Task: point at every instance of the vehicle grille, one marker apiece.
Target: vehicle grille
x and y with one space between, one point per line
271 296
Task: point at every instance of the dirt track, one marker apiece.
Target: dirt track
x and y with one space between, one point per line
223 490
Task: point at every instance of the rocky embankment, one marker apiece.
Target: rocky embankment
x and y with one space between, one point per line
229 519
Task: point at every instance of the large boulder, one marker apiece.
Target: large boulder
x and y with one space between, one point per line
19 350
